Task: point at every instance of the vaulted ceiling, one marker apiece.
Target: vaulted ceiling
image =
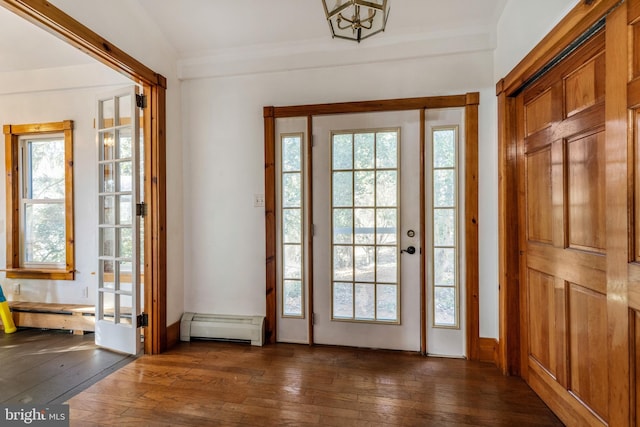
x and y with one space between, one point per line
214 28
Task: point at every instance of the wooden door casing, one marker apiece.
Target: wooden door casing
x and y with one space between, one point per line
561 177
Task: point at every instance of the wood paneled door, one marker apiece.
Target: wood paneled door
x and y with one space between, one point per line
561 175
570 215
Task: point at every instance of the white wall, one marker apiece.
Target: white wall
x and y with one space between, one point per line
224 165
125 24
522 25
55 95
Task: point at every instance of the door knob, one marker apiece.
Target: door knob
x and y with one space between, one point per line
410 250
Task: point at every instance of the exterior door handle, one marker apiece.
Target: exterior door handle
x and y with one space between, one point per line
410 250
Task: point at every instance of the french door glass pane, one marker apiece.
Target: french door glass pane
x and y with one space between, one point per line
444 148
343 189
126 210
365 225
292 259
125 170
108 177
364 188
342 152
291 154
125 247
124 144
108 139
365 301
387 302
124 110
108 114
343 225
343 300
291 190
386 188
292 294
363 151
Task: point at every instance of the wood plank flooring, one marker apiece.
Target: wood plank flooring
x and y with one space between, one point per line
50 366
226 384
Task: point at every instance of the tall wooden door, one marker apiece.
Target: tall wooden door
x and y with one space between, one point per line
562 226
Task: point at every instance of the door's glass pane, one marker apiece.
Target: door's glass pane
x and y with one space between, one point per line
365 260
363 151
444 266
387 150
124 274
386 226
365 214
292 225
365 301
126 210
365 225
291 190
343 263
387 302
291 154
445 306
342 226
108 210
126 304
126 243
444 227
44 233
292 262
108 114
124 110
108 178
387 264
125 176
342 152
108 278
47 169
343 300
444 148
364 189
292 298
108 242
444 191
386 188
342 189
108 301
108 143
124 144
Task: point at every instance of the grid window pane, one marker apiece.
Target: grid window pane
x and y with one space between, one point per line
292 225
444 148
365 226
365 301
291 154
291 190
46 172
444 227
444 192
292 262
343 300
44 233
292 298
445 306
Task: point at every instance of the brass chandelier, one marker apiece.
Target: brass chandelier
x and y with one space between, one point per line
356 19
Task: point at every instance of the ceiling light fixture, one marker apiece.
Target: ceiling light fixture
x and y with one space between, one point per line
356 19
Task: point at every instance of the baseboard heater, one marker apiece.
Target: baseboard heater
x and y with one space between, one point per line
222 327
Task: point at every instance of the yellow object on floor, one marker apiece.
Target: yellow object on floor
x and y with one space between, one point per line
5 315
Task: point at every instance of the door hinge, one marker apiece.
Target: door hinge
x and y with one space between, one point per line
142 320
141 209
141 101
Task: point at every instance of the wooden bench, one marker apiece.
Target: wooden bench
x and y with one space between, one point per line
74 317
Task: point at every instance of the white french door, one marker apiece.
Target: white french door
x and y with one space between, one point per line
366 216
119 285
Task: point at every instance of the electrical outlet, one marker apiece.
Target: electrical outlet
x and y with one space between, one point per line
258 200
16 289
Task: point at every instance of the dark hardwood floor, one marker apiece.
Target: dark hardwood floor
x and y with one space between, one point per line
50 366
226 384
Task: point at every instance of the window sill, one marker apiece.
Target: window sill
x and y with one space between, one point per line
44 274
